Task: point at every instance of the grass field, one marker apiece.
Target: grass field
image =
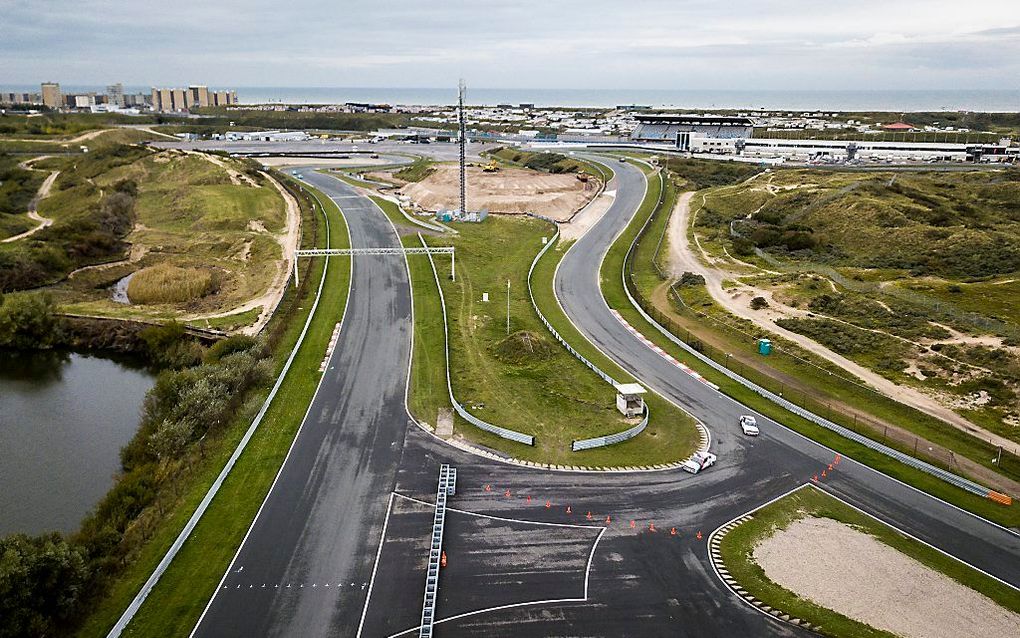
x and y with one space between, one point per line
175 604
737 547
189 215
909 274
615 295
526 382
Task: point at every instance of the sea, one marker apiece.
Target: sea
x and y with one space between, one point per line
996 100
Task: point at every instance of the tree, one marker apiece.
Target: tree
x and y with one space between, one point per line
27 321
42 580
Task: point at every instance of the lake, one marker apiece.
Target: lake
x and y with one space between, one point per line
63 418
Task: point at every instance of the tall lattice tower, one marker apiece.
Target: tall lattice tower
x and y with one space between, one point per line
463 146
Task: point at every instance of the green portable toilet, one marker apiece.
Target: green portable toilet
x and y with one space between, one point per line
764 347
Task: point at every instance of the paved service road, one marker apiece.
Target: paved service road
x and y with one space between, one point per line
314 541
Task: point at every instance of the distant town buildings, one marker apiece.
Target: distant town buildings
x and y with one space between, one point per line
115 100
195 96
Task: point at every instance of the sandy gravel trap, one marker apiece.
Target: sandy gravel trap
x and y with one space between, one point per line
848 571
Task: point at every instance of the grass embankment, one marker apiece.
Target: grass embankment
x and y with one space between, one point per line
418 170
738 545
804 379
17 188
189 215
175 604
617 299
883 317
525 382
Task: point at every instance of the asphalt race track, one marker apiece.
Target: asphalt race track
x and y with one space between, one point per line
628 558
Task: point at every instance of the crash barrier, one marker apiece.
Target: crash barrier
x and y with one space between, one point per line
447 487
594 368
948 477
611 439
505 433
598 441
998 497
164 563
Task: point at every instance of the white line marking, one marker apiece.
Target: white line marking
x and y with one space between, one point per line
591 557
343 319
378 553
501 518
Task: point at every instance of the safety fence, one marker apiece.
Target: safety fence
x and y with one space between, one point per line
598 441
594 368
505 433
164 563
612 439
646 309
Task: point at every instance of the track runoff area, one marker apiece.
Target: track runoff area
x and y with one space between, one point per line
500 548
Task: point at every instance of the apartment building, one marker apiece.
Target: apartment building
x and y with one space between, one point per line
51 95
194 96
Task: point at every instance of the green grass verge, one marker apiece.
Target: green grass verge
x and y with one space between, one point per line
612 288
552 395
176 602
229 322
738 545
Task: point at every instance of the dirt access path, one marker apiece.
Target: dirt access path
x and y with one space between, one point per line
84 137
288 241
684 257
853 573
33 206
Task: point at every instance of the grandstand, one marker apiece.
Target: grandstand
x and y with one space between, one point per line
678 129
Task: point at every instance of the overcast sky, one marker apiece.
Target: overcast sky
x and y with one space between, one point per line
631 44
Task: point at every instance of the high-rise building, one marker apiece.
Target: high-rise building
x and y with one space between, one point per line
51 95
195 96
115 94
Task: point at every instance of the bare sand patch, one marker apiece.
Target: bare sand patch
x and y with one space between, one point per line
848 571
584 220
510 190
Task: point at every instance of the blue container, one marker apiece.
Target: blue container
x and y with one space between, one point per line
764 347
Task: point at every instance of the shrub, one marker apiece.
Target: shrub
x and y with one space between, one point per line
759 303
27 321
690 280
166 283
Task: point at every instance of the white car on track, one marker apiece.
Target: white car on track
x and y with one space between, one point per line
698 462
749 425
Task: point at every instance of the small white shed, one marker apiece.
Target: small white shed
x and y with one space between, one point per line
628 399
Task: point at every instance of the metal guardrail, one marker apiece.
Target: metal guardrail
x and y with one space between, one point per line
178 543
611 439
594 368
904 458
598 441
505 433
447 487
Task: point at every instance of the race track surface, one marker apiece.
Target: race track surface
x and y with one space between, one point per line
625 560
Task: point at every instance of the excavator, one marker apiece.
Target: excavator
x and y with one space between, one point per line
491 167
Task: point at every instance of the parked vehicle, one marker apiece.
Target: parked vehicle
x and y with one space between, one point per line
749 425
698 462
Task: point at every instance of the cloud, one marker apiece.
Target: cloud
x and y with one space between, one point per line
523 43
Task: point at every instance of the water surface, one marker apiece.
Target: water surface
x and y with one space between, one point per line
63 419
